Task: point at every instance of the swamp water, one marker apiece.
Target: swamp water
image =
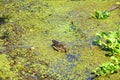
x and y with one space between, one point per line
33 24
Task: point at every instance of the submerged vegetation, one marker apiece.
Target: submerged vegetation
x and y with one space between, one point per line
28 28
16 62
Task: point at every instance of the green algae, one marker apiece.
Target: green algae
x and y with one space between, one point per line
39 22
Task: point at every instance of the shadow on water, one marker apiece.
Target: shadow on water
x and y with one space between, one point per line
3 20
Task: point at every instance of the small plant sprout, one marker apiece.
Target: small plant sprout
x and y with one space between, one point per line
101 15
105 14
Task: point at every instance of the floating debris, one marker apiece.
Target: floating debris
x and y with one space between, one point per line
112 8
32 48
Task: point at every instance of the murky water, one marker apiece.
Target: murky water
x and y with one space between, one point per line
69 22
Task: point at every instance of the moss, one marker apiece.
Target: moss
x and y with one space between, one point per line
5 68
34 23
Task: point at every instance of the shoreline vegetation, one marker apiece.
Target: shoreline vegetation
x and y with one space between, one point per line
30 31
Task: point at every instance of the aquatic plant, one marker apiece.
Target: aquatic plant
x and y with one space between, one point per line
108 67
17 61
106 13
109 41
101 15
5 68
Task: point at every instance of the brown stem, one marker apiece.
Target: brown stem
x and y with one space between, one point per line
113 8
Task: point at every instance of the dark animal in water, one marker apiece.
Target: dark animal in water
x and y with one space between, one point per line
58 46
